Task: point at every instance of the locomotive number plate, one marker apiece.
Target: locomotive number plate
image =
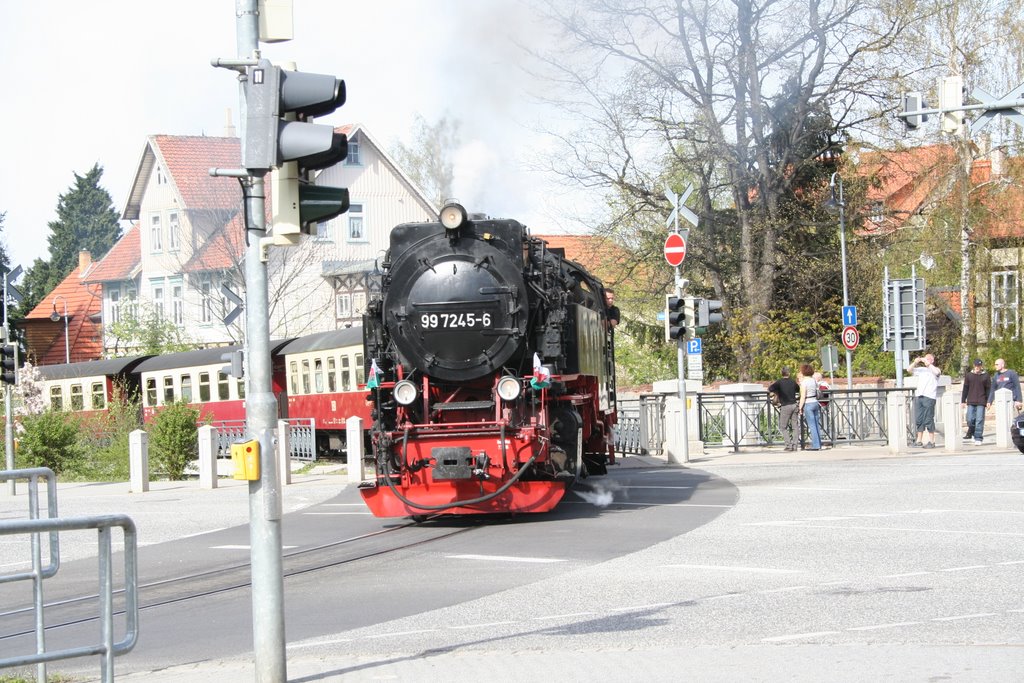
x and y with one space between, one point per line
450 321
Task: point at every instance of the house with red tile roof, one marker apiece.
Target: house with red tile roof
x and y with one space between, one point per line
906 186
188 240
65 326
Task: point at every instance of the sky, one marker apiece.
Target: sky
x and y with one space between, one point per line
87 82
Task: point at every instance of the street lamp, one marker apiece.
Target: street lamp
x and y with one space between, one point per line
55 316
836 203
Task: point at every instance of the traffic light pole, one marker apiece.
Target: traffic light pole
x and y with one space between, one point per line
8 399
261 411
681 363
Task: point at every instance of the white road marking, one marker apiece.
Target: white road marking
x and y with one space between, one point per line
882 528
724 595
493 623
960 569
245 547
656 605
1012 562
336 641
966 616
674 505
783 590
505 558
981 492
401 633
200 533
905 574
564 616
876 627
798 636
801 488
727 568
656 487
342 505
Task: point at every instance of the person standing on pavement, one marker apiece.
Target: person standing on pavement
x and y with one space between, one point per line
927 375
1005 379
789 419
809 407
977 386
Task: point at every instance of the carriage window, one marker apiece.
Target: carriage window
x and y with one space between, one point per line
346 375
204 387
77 400
186 388
305 376
241 388
56 398
360 370
99 396
332 380
151 392
318 375
223 387
168 390
293 377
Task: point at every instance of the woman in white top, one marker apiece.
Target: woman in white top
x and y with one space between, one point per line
809 406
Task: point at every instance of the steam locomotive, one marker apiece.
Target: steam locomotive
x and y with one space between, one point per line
491 370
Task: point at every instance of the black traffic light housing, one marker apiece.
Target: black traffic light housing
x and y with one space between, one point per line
9 363
676 322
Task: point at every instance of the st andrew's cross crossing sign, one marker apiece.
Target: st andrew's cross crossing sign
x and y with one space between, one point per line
675 249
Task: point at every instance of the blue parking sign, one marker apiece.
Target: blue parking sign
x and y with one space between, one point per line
693 347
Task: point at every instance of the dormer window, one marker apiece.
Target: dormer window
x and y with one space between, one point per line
352 158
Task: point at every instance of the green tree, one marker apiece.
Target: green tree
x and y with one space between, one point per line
145 332
174 439
428 160
86 219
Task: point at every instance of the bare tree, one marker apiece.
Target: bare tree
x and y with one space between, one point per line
750 101
429 159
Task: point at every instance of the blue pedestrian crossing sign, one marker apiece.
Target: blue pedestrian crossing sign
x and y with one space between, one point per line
849 315
693 347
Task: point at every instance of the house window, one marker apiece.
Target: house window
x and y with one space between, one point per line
99 396
178 303
352 158
358 303
56 398
129 308
155 234
115 307
344 306
161 179
356 232
158 298
205 304
77 400
173 235
324 232
1005 302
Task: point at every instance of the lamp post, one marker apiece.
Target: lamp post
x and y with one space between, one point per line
838 203
55 316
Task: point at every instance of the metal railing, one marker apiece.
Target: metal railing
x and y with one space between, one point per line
641 425
52 525
301 437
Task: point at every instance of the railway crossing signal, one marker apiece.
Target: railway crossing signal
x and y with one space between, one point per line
9 363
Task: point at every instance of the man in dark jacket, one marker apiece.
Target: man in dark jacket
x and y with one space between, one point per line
1005 379
974 395
789 418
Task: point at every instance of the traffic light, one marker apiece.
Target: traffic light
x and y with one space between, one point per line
708 312
678 317
278 104
9 363
279 136
913 102
235 367
951 102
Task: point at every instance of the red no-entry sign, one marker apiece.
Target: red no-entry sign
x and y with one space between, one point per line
675 249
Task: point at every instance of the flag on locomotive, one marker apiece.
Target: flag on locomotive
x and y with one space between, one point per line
494 367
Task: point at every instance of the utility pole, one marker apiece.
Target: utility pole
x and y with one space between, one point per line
9 291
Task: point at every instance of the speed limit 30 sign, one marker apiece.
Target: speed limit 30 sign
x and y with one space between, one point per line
851 337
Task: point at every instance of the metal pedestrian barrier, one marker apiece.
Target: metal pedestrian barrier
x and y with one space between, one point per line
35 526
640 429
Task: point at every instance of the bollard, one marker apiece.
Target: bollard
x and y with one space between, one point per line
138 461
896 415
354 450
284 451
1003 406
208 457
952 419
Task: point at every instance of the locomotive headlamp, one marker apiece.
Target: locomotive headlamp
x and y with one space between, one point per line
509 388
453 216
405 392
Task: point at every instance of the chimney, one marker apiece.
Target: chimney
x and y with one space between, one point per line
229 126
84 260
